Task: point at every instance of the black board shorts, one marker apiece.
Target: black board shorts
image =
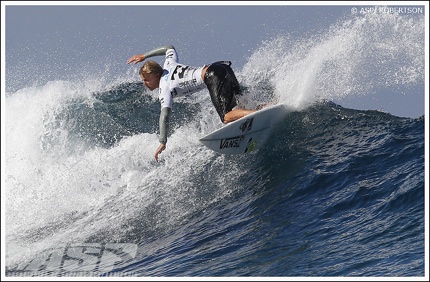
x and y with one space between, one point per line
223 87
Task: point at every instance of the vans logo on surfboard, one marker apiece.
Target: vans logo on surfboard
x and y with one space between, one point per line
247 125
231 142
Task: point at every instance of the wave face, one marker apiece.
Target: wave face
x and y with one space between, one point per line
335 191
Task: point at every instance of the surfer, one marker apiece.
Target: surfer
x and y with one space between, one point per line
176 80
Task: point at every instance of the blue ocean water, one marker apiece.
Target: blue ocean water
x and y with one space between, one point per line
336 192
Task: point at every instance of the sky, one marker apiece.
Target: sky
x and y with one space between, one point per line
54 39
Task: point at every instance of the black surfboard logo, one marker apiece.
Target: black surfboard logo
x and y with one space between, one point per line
247 125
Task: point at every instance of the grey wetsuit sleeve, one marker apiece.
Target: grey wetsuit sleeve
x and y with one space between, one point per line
164 124
158 51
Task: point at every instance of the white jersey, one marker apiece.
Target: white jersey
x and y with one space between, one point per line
178 80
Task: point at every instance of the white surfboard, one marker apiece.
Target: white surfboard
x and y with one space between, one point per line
246 134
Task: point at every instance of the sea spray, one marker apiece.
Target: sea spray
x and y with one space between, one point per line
354 57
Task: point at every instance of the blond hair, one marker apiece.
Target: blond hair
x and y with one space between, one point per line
150 67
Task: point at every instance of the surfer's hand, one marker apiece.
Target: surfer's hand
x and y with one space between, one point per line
159 150
136 59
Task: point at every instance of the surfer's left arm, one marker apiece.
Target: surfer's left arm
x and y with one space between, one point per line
164 126
160 51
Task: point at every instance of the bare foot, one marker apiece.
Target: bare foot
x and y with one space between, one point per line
236 114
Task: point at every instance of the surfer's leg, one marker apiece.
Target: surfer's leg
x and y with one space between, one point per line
223 88
236 114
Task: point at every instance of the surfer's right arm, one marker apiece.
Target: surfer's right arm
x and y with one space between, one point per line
164 126
160 51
